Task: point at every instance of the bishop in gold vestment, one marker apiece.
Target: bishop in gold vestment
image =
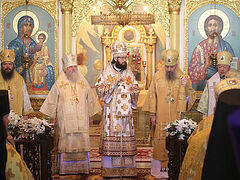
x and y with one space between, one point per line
71 101
13 82
118 89
214 131
166 100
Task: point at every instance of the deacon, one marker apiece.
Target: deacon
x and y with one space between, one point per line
119 90
12 81
166 100
207 102
70 104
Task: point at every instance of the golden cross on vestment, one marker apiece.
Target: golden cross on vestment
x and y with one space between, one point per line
12 153
118 127
63 84
110 79
118 46
9 173
82 84
123 96
129 80
19 165
124 107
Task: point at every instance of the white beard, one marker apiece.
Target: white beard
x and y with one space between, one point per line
73 76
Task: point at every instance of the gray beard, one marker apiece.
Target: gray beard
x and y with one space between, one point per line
170 76
73 76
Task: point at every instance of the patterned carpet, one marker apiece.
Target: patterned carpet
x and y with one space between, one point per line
144 154
143 163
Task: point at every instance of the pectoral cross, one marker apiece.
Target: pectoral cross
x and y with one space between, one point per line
110 79
129 80
124 107
123 96
170 99
118 127
77 100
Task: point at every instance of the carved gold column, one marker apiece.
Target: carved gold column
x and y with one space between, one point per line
174 10
67 25
149 49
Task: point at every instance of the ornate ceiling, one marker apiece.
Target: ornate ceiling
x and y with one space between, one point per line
83 9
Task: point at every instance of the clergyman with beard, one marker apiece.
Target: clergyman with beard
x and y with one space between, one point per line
166 100
118 89
71 103
201 67
12 81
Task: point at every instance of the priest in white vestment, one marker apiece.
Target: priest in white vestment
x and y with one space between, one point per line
71 102
207 102
118 89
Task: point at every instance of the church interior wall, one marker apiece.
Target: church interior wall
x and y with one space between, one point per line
89 40
86 38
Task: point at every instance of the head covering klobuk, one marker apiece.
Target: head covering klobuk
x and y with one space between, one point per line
170 57
229 89
4 103
119 49
69 60
221 152
224 58
7 55
234 127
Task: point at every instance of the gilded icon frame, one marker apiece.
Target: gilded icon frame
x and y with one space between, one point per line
39 10
193 6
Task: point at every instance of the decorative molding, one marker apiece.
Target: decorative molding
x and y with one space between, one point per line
193 5
81 9
161 11
174 6
51 6
66 5
36 103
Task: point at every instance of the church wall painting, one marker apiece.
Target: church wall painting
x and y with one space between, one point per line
196 43
31 32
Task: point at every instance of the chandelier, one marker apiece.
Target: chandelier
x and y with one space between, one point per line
120 15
